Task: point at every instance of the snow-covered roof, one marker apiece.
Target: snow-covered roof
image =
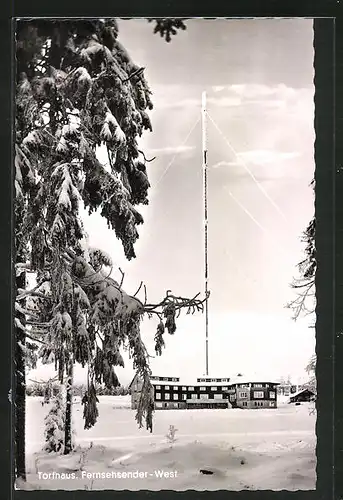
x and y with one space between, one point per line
192 381
253 380
300 392
189 383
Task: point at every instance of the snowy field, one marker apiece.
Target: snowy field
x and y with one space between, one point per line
244 449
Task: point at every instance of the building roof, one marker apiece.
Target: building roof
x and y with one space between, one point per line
193 382
190 383
300 392
252 380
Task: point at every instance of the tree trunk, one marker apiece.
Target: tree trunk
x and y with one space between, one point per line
20 390
68 445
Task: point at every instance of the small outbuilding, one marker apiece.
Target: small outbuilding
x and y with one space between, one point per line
302 396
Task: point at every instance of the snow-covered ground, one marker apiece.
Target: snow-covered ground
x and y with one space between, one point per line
244 449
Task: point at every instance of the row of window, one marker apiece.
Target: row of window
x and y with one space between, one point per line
184 396
256 394
212 388
241 395
183 405
213 380
244 404
170 405
176 379
256 386
166 379
259 403
190 388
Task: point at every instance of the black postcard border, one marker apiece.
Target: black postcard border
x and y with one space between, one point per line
328 156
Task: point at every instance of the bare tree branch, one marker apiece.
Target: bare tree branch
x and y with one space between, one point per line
145 159
122 278
140 286
145 295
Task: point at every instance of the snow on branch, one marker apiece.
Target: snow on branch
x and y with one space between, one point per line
23 294
111 130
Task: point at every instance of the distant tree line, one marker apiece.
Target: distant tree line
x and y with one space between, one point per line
39 389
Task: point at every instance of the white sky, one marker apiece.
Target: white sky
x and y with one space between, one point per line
258 75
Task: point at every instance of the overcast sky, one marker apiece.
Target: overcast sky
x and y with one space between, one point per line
258 75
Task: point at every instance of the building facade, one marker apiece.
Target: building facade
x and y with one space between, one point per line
206 392
286 389
253 395
171 393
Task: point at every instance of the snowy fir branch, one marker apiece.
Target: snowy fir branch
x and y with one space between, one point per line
167 27
92 319
30 336
84 78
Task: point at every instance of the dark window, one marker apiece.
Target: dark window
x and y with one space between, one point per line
242 394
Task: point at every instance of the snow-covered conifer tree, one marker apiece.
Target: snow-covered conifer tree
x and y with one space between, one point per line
78 89
55 423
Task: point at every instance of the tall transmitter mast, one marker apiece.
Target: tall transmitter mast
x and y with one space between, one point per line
204 148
